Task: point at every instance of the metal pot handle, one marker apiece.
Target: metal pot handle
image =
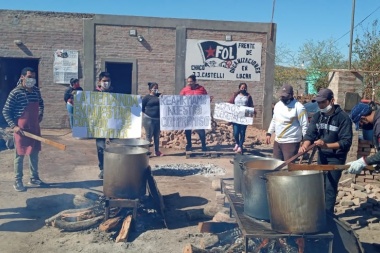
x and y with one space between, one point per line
241 164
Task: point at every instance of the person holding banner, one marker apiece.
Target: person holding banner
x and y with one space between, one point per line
289 122
103 85
193 88
69 98
242 98
151 116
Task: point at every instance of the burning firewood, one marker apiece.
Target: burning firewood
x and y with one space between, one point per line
124 231
109 224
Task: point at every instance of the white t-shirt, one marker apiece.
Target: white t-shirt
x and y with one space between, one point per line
241 100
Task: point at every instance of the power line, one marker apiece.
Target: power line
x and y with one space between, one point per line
358 24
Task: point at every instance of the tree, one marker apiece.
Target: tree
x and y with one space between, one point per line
367 51
320 57
286 69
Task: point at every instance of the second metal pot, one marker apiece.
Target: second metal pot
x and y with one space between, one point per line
238 170
254 189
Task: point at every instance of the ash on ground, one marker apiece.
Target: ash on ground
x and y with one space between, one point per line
180 170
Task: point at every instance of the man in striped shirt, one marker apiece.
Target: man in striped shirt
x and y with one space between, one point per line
23 111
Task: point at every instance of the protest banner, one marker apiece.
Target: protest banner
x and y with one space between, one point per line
234 113
107 115
185 112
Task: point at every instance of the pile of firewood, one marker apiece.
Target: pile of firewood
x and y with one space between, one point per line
88 214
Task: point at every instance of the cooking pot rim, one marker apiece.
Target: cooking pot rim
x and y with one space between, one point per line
298 173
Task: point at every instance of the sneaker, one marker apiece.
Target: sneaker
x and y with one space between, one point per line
36 182
100 176
235 148
158 153
188 148
19 186
204 149
239 150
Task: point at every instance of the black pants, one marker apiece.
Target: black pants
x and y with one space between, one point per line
100 146
152 129
202 137
331 180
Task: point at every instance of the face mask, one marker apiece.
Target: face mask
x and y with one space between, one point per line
105 85
326 110
30 82
285 100
243 92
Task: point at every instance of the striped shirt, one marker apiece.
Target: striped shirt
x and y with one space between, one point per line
17 101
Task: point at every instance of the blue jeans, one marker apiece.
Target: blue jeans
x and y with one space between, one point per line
239 134
70 110
33 165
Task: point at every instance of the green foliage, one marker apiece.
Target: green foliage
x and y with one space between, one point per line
321 57
367 51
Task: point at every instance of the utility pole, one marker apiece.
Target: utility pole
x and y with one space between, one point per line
352 33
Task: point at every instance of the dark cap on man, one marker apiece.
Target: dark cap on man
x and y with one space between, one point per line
324 94
286 90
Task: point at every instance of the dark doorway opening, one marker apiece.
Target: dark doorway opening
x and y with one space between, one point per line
121 76
10 72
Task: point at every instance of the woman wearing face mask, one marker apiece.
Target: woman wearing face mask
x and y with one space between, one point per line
69 98
242 98
103 85
151 116
331 130
289 122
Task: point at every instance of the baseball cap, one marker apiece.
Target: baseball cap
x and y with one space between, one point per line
324 94
286 90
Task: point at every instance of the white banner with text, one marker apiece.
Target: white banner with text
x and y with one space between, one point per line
185 112
234 113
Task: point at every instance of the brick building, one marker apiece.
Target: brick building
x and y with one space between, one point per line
111 43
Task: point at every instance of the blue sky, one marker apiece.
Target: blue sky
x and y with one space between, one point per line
297 20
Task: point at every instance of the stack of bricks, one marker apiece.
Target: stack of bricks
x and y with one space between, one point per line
365 148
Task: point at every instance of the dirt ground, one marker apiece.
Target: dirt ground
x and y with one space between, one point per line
74 172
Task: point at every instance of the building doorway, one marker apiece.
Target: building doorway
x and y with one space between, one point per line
121 76
10 72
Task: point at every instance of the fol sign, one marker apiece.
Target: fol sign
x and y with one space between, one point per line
107 115
65 65
185 112
234 113
221 60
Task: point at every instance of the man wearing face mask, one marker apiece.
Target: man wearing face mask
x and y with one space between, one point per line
103 85
368 116
289 122
331 130
24 110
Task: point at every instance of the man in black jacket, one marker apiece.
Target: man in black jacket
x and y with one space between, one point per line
331 130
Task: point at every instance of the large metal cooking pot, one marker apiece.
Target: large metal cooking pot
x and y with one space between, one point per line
131 143
125 172
238 161
296 201
254 189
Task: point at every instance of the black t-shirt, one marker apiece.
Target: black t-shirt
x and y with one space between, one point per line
151 106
